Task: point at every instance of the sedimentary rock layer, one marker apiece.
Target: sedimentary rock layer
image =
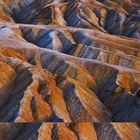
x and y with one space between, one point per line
69 68
69 131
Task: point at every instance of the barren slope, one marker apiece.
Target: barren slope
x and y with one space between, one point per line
76 62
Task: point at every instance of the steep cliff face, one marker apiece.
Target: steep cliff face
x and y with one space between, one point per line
69 69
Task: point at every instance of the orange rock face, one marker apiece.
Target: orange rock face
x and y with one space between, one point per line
69 70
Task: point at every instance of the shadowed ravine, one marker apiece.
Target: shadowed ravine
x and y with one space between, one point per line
69 70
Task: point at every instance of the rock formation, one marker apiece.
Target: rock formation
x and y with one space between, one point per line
69 70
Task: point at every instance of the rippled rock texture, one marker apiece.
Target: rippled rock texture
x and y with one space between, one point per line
69 69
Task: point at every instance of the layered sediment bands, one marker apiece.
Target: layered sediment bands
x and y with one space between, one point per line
114 17
92 87
70 131
86 45
36 105
68 69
